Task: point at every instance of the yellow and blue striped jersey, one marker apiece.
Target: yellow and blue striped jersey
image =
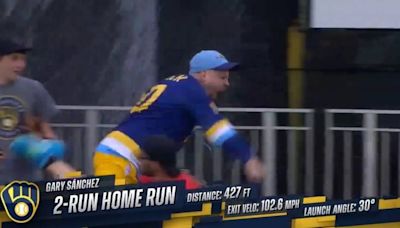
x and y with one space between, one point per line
173 108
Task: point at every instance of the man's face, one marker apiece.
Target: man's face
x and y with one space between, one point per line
215 82
12 64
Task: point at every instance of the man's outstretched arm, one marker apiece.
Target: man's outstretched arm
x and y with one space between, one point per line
221 133
46 154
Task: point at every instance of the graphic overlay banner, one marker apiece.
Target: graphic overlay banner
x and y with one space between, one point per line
93 201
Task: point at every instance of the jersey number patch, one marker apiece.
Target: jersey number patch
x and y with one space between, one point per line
149 98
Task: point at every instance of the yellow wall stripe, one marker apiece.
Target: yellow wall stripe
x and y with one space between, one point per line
184 222
295 63
314 199
4 217
73 174
389 203
323 221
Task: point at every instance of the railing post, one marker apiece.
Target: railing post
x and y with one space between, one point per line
329 156
370 180
309 166
292 175
269 152
385 178
198 154
180 158
77 150
235 178
347 165
217 163
91 140
398 166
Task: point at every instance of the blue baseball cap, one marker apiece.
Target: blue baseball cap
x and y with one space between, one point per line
210 60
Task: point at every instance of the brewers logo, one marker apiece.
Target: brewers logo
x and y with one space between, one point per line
20 200
12 112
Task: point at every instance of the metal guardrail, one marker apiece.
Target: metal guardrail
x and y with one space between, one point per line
286 148
266 147
376 161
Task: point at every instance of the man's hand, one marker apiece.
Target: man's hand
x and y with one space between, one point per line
39 127
254 170
59 169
